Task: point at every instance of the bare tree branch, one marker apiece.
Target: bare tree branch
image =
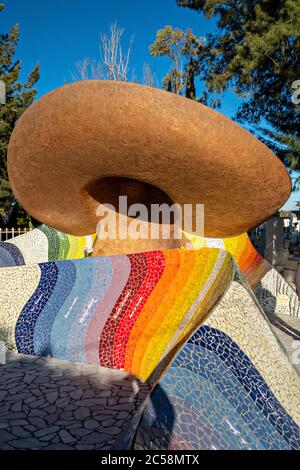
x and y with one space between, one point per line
115 59
149 77
87 69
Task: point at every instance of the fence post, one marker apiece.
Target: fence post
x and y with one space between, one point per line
10 233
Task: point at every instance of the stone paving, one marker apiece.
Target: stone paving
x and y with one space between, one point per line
51 404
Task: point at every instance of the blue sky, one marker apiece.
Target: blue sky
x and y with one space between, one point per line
58 33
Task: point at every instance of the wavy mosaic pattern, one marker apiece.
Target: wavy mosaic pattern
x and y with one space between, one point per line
47 244
230 387
184 319
251 263
43 244
123 312
272 291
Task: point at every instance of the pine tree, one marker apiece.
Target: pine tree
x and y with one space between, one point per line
18 97
255 51
184 50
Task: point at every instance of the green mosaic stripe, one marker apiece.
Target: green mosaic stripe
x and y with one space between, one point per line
64 245
53 242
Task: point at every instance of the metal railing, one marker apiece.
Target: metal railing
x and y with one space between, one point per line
8 233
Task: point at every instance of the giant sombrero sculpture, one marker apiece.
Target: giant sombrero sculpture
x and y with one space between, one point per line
87 143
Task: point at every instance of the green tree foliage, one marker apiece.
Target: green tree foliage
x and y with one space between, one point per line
183 49
18 97
255 51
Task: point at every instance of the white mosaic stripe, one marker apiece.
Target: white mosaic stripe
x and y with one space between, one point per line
286 299
33 245
89 242
241 319
17 284
215 243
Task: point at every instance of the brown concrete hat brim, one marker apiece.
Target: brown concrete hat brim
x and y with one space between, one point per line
71 138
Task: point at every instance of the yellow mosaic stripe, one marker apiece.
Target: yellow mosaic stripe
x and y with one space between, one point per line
77 245
185 287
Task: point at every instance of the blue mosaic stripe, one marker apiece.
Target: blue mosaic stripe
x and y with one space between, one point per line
236 360
71 308
6 258
102 277
42 331
217 392
192 427
24 332
169 411
10 255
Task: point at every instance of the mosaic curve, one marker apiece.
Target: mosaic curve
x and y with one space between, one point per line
43 244
10 255
137 336
48 244
272 291
230 387
221 390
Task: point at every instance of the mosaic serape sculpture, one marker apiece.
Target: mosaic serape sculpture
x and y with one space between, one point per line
231 373
47 244
231 386
111 311
184 321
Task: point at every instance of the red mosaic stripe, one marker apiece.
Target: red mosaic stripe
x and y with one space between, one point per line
138 271
156 267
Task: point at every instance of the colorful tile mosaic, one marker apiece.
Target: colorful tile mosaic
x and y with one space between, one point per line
47 244
268 285
252 264
10 255
42 244
230 387
48 404
72 312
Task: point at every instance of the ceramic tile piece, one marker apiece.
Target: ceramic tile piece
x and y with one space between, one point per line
230 378
185 319
17 286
